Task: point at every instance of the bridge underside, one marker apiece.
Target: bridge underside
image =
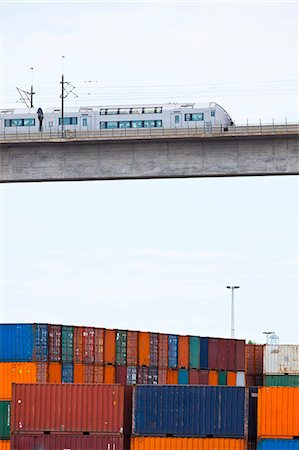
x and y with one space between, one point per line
149 158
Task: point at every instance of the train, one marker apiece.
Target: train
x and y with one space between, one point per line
93 118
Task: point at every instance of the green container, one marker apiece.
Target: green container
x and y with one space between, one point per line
222 378
121 348
194 352
67 344
281 380
4 420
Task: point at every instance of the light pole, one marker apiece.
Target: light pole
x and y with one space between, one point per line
268 333
232 310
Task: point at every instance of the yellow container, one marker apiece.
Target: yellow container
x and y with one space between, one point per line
171 443
15 373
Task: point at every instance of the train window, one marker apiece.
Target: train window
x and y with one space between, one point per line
112 111
111 125
193 117
136 111
103 125
84 121
158 110
19 122
124 111
103 112
176 119
212 113
148 110
69 121
136 123
159 123
149 123
124 124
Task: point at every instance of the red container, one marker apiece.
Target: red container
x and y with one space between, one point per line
162 376
98 373
54 340
70 442
121 374
132 348
154 349
88 373
240 356
71 408
42 372
78 345
142 375
254 355
226 354
99 346
163 351
88 345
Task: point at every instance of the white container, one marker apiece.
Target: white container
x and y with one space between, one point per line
281 359
240 380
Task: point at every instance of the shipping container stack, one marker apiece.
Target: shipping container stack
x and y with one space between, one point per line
191 418
71 416
278 418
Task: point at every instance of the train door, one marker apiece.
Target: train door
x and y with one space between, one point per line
86 122
176 120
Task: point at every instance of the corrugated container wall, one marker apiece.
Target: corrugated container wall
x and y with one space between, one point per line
16 342
154 349
88 345
204 353
67 344
131 375
62 442
254 359
281 359
78 345
15 373
194 352
4 420
170 443
281 380
99 346
278 444
172 351
40 331
199 411
144 348
183 352
54 339
42 372
163 351
121 348
71 408
132 348
5 445
109 347
278 412
67 373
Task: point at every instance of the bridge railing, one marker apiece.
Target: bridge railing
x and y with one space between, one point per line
152 133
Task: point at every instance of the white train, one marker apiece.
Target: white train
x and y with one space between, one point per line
85 118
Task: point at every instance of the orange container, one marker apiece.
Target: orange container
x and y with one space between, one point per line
109 374
109 347
213 378
4 445
98 374
231 378
278 412
172 376
99 346
78 373
183 357
176 443
144 348
54 372
78 344
15 373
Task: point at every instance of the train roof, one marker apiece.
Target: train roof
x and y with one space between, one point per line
86 109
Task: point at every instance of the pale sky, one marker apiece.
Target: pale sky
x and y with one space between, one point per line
155 254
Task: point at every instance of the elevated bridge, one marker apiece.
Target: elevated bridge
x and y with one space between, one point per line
150 153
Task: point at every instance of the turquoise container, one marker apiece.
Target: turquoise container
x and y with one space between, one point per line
183 376
121 348
194 352
67 344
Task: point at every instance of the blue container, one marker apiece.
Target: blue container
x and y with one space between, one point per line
16 342
173 343
278 444
40 342
190 411
203 352
67 373
183 376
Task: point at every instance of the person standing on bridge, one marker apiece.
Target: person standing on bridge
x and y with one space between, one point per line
40 116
